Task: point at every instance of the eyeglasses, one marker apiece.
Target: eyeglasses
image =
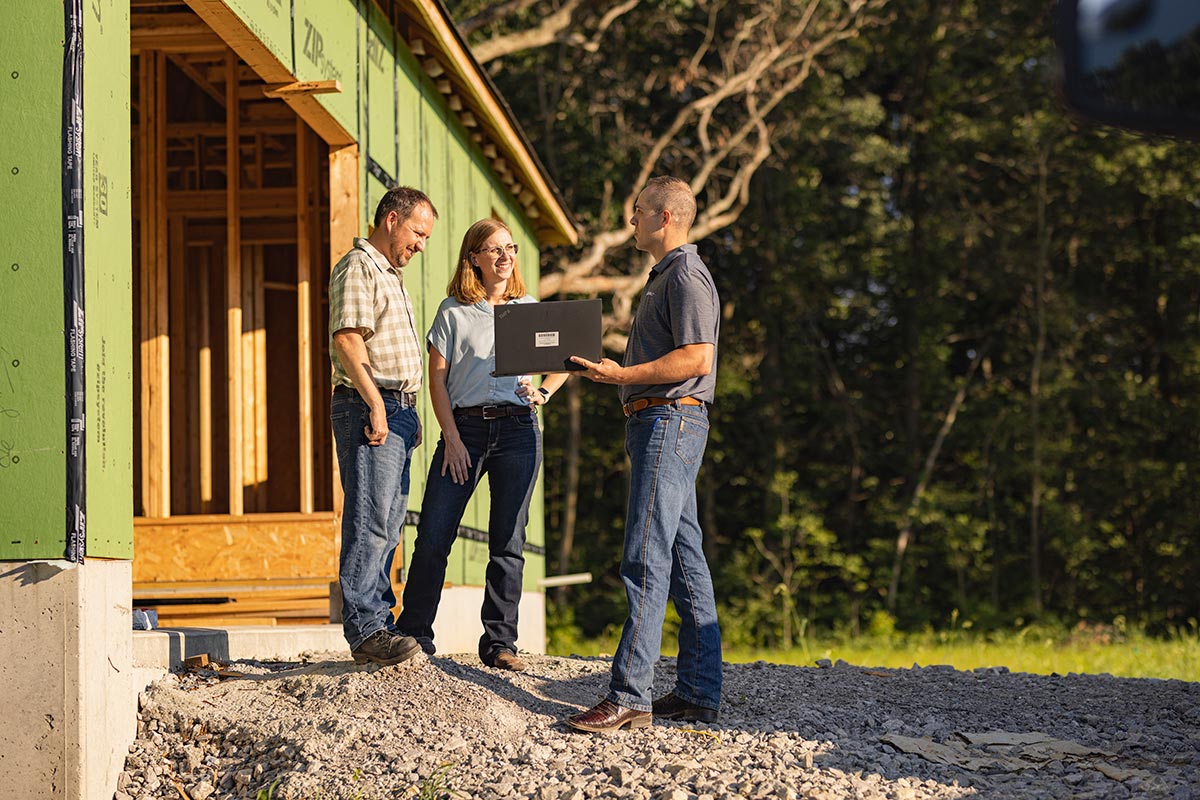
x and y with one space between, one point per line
496 252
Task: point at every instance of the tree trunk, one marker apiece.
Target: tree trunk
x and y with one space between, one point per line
1035 389
904 539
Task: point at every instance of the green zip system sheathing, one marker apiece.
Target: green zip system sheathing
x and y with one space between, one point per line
34 343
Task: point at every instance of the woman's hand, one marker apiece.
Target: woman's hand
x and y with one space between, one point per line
456 459
530 395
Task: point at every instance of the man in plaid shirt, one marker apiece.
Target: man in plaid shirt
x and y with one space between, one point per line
376 355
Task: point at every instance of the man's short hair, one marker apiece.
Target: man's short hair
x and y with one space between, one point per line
675 196
403 200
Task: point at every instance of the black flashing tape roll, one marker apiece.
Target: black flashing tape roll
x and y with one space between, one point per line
72 208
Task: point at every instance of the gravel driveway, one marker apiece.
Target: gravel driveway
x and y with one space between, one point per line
449 727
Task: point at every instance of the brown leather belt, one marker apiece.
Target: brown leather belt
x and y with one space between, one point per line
634 406
494 412
406 399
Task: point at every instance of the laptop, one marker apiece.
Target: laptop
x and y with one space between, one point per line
534 338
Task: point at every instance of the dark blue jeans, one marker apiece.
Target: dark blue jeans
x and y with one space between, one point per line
375 483
664 557
509 451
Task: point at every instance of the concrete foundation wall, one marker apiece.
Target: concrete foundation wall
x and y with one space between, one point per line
67 668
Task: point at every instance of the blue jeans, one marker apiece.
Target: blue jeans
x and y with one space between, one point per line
509 451
664 557
375 483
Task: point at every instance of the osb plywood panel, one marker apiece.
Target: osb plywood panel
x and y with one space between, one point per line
221 547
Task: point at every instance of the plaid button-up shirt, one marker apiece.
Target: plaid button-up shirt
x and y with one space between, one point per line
367 293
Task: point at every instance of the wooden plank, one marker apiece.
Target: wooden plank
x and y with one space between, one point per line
144 596
258 378
249 441
200 588
306 195
194 75
143 161
154 300
344 225
225 547
298 88
233 285
182 422
162 288
267 607
211 622
213 202
191 278
175 33
204 379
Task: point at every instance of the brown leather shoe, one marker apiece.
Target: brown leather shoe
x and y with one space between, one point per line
508 661
608 717
672 706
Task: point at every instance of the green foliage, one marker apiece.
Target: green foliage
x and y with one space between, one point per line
437 785
930 221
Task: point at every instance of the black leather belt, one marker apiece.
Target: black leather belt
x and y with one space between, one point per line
494 412
406 399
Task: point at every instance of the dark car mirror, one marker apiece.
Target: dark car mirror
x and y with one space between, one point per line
1133 63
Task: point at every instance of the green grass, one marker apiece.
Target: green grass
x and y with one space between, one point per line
1090 650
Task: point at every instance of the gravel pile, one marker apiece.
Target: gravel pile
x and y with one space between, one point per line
449 727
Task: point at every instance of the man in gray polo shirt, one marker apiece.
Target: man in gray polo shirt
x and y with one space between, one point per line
376 355
666 379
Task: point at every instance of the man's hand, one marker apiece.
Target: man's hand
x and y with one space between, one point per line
604 371
377 431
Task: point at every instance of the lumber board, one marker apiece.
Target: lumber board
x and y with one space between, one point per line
162 598
306 194
233 285
174 621
205 382
261 608
154 296
200 588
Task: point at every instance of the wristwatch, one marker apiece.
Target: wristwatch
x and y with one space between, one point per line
545 394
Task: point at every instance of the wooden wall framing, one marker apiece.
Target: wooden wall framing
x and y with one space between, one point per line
222 289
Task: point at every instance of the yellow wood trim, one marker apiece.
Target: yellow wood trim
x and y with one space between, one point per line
430 16
296 88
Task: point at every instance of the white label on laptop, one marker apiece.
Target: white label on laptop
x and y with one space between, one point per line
545 339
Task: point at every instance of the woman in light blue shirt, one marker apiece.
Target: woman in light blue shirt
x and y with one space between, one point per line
488 426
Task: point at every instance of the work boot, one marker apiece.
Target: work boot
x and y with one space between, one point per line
385 647
672 706
508 661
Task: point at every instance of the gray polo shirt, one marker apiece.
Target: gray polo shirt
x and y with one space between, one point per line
465 335
679 306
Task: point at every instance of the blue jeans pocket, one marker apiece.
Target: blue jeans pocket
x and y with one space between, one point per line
692 438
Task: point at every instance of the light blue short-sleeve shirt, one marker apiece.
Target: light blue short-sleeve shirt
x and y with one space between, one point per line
465 335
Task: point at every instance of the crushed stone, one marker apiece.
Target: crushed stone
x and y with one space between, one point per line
448 727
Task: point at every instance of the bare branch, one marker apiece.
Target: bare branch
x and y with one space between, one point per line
546 32
493 14
592 45
722 134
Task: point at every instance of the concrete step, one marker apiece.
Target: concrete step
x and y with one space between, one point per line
166 648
